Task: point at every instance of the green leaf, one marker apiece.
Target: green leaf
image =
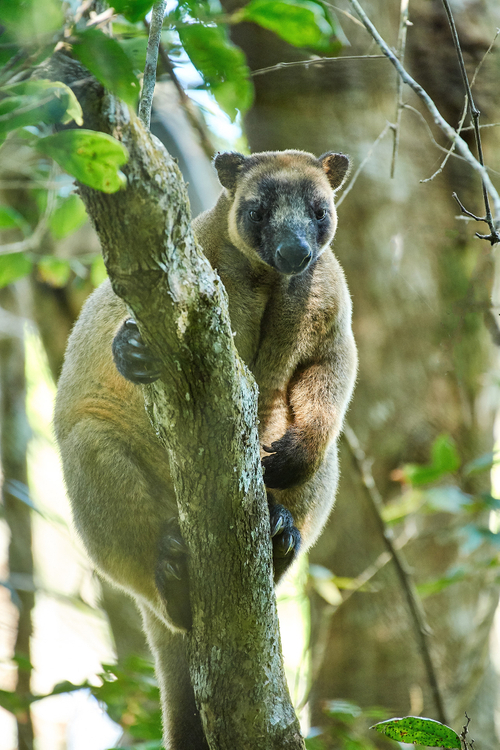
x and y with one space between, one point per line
54 271
133 10
221 65
68 216
413 729
302 23
13 266
31 21
108 62
97 271
135 48
429 588
12 219
33 102
93 158
444 460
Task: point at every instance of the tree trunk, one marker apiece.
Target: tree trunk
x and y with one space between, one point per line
421 285
155 265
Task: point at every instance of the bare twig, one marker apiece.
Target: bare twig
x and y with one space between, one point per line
358 171
403 27
421 627
313 61
461 145
149 80
449 151
494 235
33 241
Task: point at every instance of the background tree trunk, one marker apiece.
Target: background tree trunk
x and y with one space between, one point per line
14 438
421 284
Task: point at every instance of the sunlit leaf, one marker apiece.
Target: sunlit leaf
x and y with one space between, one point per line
31 21
135 48
107 61
404 505
133 10
428 588
221 65
343 708
13 266
444 460
68 216
93 158
414 730
97 271
54 271
302 23
12 219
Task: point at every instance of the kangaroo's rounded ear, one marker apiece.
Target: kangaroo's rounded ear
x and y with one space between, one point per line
228 166
336 168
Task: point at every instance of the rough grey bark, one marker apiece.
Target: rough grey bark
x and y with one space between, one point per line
204 409
14 436
421 284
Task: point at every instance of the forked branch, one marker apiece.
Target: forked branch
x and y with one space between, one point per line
452 134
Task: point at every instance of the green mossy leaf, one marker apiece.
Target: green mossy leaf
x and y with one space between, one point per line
108 62
302 23
92 158
35 102
13 266
413 729
68 216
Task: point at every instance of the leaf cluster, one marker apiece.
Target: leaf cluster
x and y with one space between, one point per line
128 692
31 108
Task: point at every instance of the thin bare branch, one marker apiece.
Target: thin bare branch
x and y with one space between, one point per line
449 151
421 627
403 28
312 61
388 126
494 235
33 241
461 145
149 80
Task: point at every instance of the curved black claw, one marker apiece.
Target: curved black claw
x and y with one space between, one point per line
287 464
171 575
285 537
132 357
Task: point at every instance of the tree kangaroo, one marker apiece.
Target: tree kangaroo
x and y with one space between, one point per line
269 238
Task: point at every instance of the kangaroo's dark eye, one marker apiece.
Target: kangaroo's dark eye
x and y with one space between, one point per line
255 216
320 214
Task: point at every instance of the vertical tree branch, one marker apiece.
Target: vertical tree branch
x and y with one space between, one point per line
403 27
149 80
14 443
422 629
